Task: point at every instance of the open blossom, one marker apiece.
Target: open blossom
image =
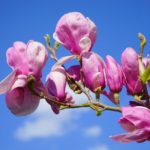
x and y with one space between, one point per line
93 71
75 32
114 74
136 122
130 67
25 60
56 85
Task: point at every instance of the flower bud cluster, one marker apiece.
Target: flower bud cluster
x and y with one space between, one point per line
24 88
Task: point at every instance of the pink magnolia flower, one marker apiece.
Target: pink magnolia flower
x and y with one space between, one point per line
93 71
136 122
25 60
114 74
75 32
130 67
56 85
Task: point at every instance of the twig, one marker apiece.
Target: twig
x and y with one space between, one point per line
88 104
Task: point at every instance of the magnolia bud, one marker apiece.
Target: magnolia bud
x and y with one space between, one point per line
130 67
114 74
55 86
93 71
56 83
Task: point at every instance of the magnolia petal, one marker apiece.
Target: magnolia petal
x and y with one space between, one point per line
17 57
85 43
109 95
134 136
6 84
139 116
74 72
21 101
127 125
69 98
21 81
56 38
114 75
56 82
37 57
55 108
62 61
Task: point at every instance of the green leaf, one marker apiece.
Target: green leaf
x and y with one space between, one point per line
47 38
98 113
56 45
146 75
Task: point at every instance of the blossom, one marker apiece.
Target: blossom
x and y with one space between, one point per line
56 85
130 67
136 122
25 60
75 32
93 71
114 74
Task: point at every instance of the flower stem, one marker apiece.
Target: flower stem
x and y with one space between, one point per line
88 104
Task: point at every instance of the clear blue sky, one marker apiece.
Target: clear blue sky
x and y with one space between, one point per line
118 23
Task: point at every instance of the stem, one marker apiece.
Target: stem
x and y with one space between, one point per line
88 104
94 105
83 89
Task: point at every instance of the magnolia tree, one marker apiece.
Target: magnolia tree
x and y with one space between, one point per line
24 88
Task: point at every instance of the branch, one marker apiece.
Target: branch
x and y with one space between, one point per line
88 104
83 89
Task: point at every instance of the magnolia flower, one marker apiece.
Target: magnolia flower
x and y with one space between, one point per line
75 32
25 60
93 71
130 67
114 74
136 122
56 85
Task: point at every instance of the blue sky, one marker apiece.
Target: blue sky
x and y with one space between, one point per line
118 23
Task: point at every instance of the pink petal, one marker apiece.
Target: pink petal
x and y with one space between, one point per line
21 101
62 61
56 82
130 67
74 72
127 125
17 57
114 74
37 57
134 136
85 44
6 84
139 116
21 81
95 78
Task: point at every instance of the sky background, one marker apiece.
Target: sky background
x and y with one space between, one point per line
118 23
